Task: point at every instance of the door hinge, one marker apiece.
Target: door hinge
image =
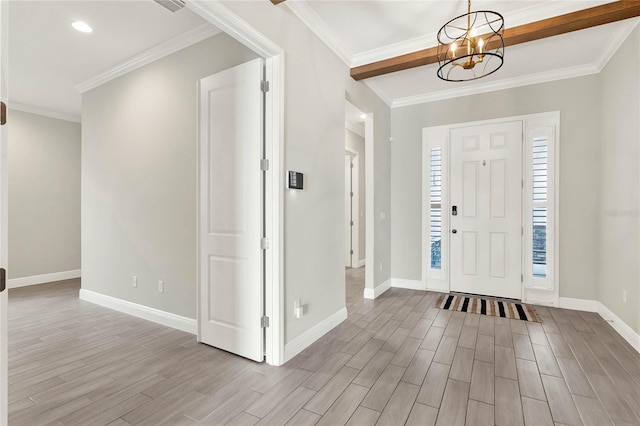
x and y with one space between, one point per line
522 230
351 223
352 194
351 252
523 183
264 321
264 164
264 86
264 243
3 113
352 165
521 278
3 279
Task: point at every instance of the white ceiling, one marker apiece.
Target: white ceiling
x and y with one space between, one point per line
361 32
47 57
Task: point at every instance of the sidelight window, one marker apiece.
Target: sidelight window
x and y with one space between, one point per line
436 208
540 228
539 203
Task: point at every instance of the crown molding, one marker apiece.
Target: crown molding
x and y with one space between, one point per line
595 67
318 26
509 83
17 106
523 16
231 24
373 85
394 49
148 56
616 40
549 9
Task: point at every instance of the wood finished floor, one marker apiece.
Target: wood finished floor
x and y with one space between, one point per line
396 360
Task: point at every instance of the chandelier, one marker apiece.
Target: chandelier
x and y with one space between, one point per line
471 46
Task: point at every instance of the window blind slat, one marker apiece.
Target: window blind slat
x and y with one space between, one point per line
435 208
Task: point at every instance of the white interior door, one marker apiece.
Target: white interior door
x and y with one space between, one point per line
4 350
231 211
486 191
348 210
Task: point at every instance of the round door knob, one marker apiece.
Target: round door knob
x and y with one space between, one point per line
454 231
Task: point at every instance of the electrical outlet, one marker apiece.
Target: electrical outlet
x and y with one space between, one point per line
624 296
160 286
297 308
134 281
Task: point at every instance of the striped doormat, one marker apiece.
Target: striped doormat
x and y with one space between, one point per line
491 307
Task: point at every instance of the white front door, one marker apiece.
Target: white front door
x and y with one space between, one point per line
231 211
4 350
348 212
486 226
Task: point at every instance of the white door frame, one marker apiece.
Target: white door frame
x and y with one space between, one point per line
439 137
369 209
220 16
348 211
355 207
4 216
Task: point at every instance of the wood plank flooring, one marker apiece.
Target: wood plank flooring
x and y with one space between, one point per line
396 360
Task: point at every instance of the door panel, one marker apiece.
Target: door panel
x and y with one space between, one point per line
231 269
470 189
486 176
498 186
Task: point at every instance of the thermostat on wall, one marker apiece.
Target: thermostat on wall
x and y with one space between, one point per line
295 180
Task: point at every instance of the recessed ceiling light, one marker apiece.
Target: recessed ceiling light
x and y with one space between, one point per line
83 27
363 116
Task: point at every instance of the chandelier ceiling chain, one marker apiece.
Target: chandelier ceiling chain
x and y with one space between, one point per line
471 46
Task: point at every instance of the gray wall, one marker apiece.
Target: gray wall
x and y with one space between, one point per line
44 195
619 161
139 177
577 101
356 143
317 82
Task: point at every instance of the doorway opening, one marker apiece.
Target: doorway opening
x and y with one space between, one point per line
355 200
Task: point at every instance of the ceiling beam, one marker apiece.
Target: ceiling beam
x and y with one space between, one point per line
580 20
277 1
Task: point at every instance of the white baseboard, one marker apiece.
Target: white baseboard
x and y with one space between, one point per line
618 325
373 293
168 319
578 304
408 284
361 263
42 279
305 340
